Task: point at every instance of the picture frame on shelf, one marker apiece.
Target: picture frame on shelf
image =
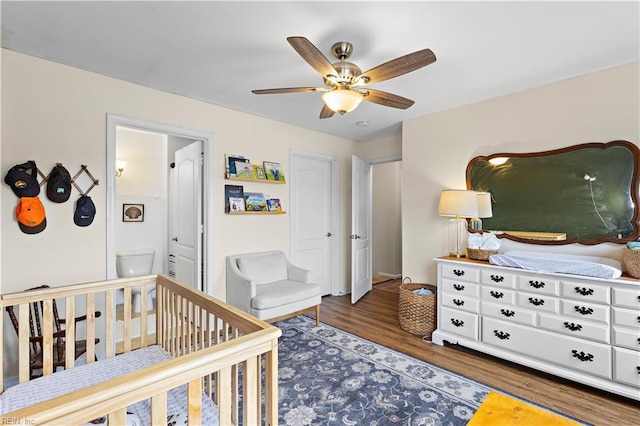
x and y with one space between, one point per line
244 170
273 205
273 171
232 191
258 172
133 212
255 202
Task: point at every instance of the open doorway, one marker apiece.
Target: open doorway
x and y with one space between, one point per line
149 183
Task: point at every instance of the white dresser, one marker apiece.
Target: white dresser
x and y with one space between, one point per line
581 328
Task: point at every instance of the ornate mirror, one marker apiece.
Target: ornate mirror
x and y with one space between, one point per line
584 194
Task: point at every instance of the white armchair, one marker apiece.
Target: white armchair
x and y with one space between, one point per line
268 286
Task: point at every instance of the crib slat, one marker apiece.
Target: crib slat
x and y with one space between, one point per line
250 401
23 343
195 402
223 394
119 417
126 309
159 409
109 323
271 386
91 327
47 337
144 332
70 333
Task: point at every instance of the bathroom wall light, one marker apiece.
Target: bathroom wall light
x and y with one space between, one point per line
120 166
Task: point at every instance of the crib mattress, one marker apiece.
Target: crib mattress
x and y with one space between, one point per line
592 266
62 382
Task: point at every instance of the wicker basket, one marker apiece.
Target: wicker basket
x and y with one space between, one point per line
631 262
479 254
417 312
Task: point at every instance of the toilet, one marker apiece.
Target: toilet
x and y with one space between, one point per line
135 263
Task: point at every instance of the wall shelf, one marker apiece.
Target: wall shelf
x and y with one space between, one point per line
250 213
276 182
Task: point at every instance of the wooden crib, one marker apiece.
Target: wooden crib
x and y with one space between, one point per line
215 349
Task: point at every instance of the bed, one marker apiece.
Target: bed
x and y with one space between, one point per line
189 356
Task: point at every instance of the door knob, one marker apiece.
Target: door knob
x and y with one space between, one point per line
355 236
175 238
328 234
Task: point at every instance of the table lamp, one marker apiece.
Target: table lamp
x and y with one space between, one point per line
484 210
458 204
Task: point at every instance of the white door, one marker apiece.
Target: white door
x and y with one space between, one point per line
312 229
186 241
361 207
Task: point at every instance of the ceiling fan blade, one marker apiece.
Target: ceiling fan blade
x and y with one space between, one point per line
284 90
326 112
398 66
312 55
388 99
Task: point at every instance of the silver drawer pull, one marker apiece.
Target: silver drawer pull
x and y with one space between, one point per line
536 301
458 287
582 356
584 291
457 322
501 335
458 272
458 302
573 327
507 312
497 278
537 284
496 294
586 311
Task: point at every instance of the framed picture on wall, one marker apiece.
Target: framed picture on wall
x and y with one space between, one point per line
133 212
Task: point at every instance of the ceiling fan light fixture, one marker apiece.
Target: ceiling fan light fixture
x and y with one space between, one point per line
342 100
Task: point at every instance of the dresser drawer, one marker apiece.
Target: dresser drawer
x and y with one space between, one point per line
459 322
498 278
626 297
576 327
538 284
461 272
539 302
626 367
577 354
508 313
626 337
460 287
585 291
462 302
499 295
587 311
626 317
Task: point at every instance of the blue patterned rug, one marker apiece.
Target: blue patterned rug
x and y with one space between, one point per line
330 377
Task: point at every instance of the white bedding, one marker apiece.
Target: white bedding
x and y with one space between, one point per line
592 266
61 382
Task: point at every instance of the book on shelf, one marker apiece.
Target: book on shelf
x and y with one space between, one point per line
258 171
232 191
273 171
273 205
230 164
244 170
255 202
236 204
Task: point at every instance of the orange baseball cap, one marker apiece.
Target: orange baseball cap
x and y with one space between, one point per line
30 215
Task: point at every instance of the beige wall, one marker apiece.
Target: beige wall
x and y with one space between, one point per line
54 113
597 107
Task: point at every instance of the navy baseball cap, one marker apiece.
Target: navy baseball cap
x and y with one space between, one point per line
85 211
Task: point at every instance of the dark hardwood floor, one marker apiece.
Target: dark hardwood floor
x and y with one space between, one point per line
375 317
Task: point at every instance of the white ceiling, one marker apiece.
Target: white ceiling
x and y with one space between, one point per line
218 51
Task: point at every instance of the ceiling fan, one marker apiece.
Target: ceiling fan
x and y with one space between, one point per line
344 81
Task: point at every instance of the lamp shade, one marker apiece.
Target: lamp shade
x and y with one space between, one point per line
342 100
484 205
458 203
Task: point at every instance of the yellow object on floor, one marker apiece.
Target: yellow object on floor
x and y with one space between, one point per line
499 409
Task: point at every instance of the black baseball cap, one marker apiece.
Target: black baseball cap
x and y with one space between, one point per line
85 211
23 179
59 184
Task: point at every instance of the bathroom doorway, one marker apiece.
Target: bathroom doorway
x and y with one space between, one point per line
153 182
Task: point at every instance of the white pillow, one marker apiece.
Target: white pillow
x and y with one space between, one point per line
264 269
